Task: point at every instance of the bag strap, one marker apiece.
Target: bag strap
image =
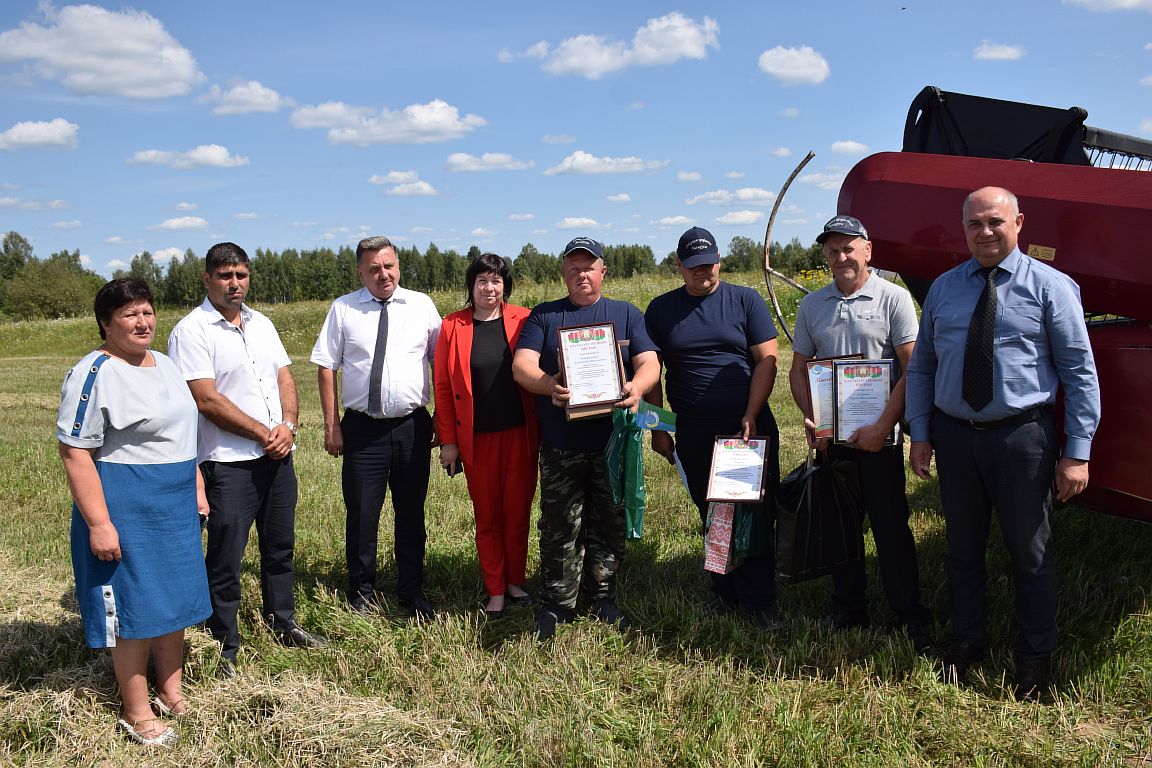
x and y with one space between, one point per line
86 394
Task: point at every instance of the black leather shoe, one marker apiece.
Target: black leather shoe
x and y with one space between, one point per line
547 619
1033 679
918 635
226 669
362 605
293 635
767 620
959 660
606 610
518 600
418 606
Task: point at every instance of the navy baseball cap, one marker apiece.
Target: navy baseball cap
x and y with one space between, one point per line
696 248
584 244
842 225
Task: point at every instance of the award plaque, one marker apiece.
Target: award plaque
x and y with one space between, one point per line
820 392
591 368
861 389
737 472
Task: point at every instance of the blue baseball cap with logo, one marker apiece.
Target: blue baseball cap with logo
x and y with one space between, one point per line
696 248
584 244
842 225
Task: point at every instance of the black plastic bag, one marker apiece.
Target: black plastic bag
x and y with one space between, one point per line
818 520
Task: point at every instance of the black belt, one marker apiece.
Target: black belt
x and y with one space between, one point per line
381 419
1024 417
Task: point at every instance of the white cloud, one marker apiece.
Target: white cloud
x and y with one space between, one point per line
95 51
741 217
620 197
848 147
734 175
790 112
822 180
537 51
673 221
521 216
688 176
246 216
482 232
182 222
1146 80
577 222
663 40
742 196
558 138
203 156
52 134
73 224
1113 5
182 206
412 189
85 260
989 51
394 177
165 255
795 66
32 205
782 152
115 264
303 224
582 162
115 240
244 98
364 126
489 161
1146 126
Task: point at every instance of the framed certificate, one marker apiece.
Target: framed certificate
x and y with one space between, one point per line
820 392
591 368
861 389
737 472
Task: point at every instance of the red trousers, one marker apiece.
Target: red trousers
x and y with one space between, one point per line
502 483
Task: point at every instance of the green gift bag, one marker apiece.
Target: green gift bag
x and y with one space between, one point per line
624 457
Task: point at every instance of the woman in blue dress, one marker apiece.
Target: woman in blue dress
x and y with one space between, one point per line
127 433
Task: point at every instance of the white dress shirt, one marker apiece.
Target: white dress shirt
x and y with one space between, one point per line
348 339
245 363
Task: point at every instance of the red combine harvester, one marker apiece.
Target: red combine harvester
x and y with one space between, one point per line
1086 195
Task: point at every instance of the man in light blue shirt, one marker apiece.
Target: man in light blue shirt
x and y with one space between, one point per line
1000 450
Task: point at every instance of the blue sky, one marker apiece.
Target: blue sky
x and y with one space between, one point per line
163 126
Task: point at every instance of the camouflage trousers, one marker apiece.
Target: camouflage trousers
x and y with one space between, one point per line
581 528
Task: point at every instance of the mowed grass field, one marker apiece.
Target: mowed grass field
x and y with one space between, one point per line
685 688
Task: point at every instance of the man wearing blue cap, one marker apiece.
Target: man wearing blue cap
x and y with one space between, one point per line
718 344
860 313
581 526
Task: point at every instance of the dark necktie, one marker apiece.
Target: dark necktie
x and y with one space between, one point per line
374 407
978 365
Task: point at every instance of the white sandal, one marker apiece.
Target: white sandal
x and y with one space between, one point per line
169 710
166 738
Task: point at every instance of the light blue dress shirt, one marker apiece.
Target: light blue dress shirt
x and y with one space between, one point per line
1041 343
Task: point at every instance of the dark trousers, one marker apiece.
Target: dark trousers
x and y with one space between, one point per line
581 528
882 491
382 455
1010 469
752 585
261 491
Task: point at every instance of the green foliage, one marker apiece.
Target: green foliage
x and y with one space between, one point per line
56 287
744 254
14 254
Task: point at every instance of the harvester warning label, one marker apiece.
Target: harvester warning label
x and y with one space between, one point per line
1042 252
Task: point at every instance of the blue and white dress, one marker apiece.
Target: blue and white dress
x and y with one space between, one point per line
141 422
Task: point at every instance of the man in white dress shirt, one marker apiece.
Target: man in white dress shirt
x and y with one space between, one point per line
237 370
382 339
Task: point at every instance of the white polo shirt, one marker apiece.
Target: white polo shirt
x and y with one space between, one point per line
245 363
348 339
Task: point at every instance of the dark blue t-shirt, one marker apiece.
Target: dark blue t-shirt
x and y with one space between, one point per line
539 334
704 342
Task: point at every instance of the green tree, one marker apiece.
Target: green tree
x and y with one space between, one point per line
184 284
744 255
15 253
59 286
144 267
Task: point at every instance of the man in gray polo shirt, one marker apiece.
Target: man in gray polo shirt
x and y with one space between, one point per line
861 313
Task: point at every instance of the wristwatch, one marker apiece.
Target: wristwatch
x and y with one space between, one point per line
291 427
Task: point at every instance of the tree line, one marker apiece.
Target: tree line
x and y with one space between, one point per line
61 286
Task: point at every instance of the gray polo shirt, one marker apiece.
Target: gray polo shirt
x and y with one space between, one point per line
871 322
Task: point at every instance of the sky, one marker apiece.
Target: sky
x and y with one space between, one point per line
163 126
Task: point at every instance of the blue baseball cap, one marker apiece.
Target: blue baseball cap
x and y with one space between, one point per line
842 225
696 248
584 244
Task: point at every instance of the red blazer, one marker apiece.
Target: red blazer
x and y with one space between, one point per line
452 378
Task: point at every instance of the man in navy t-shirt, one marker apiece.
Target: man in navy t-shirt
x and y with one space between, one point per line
581 527
718 344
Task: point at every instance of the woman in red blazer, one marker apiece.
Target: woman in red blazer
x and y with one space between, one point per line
485 420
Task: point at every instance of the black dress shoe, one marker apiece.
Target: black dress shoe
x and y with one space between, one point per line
362 605
1033 679
959 659
918 635
293 635
418 606
767 620
226 669
548 618
518 600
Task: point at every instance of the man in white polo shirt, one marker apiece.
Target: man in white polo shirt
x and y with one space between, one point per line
382 338
237 370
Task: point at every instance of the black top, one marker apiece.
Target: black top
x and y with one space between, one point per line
496 402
